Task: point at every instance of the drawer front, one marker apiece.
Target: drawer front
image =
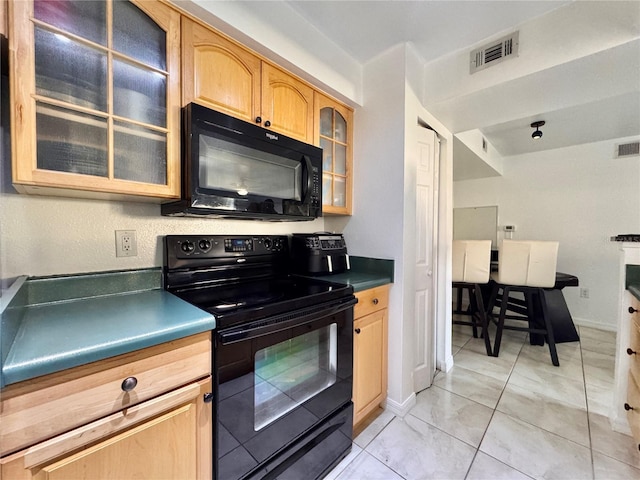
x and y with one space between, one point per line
634 345
633 414
38 409
371 300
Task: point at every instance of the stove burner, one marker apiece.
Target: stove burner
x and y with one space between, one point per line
247 301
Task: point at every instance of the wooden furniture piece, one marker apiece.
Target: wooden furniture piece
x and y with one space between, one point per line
334 134
632 404
526 267
145 414
470 268
95 98
370 351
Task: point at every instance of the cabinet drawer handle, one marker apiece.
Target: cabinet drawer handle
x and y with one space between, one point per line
357 330
267 123
628 407
208 397
129 384
632 310
630 352
375 301
258 119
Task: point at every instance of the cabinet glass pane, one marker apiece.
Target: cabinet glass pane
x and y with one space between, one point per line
69 71
326 122
69 141
327 157
341 159
341 128
326 189
339 192
85 19
137 36
139 94
140 154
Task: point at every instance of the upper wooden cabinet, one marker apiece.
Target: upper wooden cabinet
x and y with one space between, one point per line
287 104
219 74
334 134
222 75
95 92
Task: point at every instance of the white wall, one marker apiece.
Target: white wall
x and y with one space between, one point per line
580 196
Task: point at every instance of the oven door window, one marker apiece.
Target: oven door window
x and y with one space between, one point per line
229 167
291 372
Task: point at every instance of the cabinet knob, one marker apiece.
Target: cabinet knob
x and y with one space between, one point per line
375 301
258 119
267 123
630 352
632 310
357 330
628 407
129 384
208 397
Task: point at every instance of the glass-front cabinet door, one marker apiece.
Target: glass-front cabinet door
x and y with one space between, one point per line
95 97
334 135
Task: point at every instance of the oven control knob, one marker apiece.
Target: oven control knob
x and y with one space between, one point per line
187 247
204 245
277 244
267 243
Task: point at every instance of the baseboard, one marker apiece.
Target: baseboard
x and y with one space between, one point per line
400 409
582 322
446 365
620 424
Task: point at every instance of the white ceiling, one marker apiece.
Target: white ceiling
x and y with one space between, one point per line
597 110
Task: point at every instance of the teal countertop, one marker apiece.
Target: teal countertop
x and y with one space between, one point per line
51 324
365 273
632 280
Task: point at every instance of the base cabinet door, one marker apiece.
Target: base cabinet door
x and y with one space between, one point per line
164 438
370 352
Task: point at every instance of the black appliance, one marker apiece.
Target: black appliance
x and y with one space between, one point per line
282 355
232 168
319 253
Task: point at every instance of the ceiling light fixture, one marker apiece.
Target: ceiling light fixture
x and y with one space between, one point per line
537 134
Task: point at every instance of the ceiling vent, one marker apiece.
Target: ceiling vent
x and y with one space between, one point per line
627 150
494 53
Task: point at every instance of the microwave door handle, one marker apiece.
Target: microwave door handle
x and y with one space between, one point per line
309 167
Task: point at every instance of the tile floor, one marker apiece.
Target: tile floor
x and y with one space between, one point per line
512 417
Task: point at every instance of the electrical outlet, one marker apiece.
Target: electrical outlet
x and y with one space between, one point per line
584 293
126 245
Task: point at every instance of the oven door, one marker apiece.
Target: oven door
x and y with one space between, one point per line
283 394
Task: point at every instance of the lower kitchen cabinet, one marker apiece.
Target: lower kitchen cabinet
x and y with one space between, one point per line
632 405
370 351
166 436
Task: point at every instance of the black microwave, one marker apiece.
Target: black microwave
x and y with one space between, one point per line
232 168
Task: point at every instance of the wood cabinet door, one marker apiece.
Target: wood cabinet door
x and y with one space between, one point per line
287 104
167 437
333 132
369 363
219 74
95 98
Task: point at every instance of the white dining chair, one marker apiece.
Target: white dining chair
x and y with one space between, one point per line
527 267
471 265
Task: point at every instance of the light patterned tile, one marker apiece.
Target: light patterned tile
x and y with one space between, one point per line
599 399
456 415
416 450
550 414
496 367
613 444
600 341
373 429
607 468
555 387
599 369
485 467
537 362
472 385
535 451
367 467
